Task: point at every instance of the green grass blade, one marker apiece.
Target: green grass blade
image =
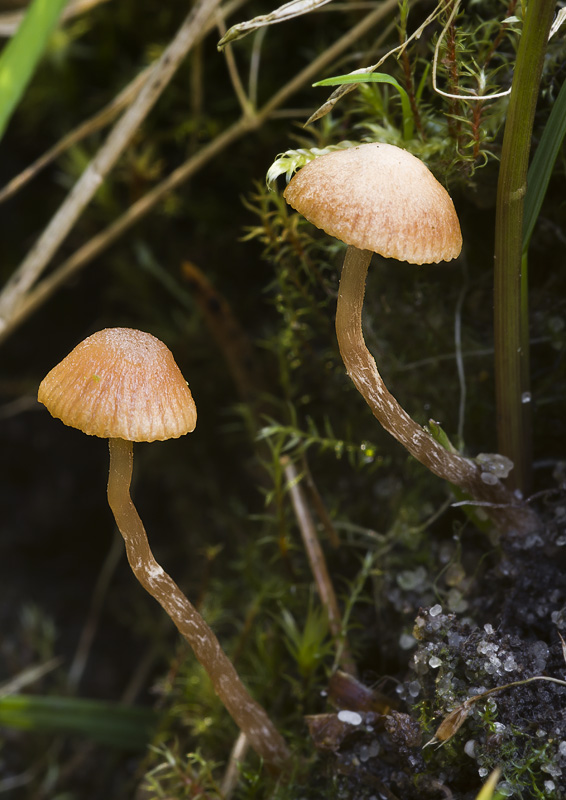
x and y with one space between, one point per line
22 53
378 77
542 164
488 791
126 727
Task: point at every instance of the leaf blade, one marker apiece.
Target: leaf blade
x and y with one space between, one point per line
125 727
377 77
21 55
542 164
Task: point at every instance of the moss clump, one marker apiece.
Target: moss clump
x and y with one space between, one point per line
521 729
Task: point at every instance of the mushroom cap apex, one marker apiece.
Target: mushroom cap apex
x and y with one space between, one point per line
120 383
381 198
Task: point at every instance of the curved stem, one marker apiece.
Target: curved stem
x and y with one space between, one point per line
362 369
248 715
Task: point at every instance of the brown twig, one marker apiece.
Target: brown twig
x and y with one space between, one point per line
10 21
31 299
317 563
232 773
318 504
95 123
110 111
237 85
41 253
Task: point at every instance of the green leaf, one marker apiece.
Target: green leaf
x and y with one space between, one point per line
23 52
126 727
543 164
488 791
440 435
474 513
378 77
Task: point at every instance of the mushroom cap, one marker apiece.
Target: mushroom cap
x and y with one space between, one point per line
381 198
120 383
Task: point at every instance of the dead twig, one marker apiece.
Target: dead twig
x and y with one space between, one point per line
28 300
95 123
317 563
232 773
239 91
111 111
10 21
41 253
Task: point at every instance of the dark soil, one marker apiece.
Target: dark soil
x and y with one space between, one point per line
511 631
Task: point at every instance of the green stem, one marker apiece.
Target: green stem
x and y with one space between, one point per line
248 715
526 402
510 290
23 52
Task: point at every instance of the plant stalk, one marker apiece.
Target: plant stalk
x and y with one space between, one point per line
512 380
319 568
248 715
24 277
15 310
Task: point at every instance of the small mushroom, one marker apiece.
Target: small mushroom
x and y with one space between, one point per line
124 385
378 198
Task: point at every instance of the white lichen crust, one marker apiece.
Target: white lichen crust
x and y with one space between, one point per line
120 383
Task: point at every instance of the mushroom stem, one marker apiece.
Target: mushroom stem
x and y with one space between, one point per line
362 369
248 715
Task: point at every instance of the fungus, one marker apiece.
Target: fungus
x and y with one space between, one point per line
378 198
124 385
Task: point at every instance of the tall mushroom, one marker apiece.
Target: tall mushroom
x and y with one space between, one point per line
378 198
124 385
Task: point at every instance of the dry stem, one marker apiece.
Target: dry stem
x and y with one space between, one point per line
10 21
33 265
110 111
26 302
95 123
318 566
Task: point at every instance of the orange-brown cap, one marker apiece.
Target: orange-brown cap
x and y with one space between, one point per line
120 383
381 198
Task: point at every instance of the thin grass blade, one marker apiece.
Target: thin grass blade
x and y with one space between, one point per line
377 77
125 727
23 52
542 164
488 791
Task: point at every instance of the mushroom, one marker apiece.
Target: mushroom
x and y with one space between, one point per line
378 198
124 385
